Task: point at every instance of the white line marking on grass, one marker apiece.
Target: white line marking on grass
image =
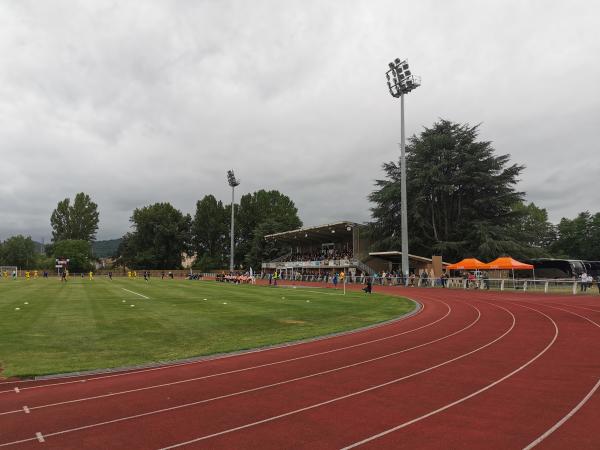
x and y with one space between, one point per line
204 377
352 394
249 352
463 399
177 407
26 409
40 437
564 419
136 293
326 293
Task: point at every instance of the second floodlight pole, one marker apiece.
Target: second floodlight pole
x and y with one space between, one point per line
401 81
232 228
403 209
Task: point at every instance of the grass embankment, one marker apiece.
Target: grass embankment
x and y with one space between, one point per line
85 325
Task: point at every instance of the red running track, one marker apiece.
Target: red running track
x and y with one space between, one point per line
470 370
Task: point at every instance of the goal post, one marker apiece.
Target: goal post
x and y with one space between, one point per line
7 271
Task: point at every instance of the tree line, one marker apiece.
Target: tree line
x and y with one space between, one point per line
462 202
161 233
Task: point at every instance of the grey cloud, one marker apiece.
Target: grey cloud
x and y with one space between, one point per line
140 102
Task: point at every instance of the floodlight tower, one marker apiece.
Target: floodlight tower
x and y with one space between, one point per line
401 81
233 182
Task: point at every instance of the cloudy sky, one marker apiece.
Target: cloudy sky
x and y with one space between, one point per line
135 102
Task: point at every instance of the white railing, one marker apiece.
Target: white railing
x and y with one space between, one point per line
499 284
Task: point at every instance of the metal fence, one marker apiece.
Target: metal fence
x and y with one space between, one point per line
557 286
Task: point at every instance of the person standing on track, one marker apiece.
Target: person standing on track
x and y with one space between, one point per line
485 279
583 282
369 287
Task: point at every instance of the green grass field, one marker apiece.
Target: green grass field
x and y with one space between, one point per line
85 325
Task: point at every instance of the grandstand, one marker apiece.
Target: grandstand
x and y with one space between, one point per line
335 247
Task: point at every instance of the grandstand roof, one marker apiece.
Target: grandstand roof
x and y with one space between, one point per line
330 232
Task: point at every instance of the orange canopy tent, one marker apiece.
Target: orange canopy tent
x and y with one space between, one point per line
467 264
507 263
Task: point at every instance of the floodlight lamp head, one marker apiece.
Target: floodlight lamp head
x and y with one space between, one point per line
233 182
403 80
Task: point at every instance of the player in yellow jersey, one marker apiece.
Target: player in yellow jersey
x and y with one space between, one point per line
91 275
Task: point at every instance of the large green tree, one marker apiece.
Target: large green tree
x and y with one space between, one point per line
533 229
210 233
579 238
262 250
77 221
161 235
255 209
461 196
77 251
18 251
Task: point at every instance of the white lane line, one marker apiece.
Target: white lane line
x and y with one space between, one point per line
449 309
558 424
177 407
40 437
26 409
136 293
575 314
17 390
204 377
576 306
463 399
353 394
571 413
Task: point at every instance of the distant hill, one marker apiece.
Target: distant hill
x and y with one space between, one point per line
105 249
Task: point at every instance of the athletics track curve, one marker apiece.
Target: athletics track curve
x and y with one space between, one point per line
470 370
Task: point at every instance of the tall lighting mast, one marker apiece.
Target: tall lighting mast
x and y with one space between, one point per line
401 81
233 182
